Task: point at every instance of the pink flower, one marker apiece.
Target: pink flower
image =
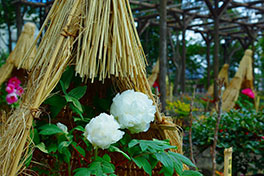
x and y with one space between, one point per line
16 82
11 98
19 91
10 88
248 92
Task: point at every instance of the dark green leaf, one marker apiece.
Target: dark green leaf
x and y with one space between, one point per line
116 149
50 129
62 145
79 149
143 162
133 143
191 173
167 162
82 172
182 158
78 92
63 87
67 77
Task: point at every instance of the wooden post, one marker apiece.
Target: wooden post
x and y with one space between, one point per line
228 162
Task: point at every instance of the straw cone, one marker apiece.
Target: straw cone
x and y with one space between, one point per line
5 72
24 42
223 74
102 42
242 79
154 74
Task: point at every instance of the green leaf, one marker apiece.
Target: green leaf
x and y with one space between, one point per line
116 149
63 87
35 136
56 103
63 144
107 158
78 105
79 128
67 155
79 149
52 148
78 92
82 172
67 77
143 162
182 158
191 173
77 111
41 146
28 160
167 162
133 143
50 129
75 102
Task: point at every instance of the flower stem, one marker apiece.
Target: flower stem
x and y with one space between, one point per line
95 153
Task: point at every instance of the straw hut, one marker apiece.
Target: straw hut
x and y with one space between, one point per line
223 75
24 42
100 39
242 79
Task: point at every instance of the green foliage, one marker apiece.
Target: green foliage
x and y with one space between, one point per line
146 154
241 129
99 167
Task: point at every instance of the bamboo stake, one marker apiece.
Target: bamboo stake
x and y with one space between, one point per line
228 162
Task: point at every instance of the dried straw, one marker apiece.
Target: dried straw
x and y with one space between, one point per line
242 79
51 59
5 72
223 74
101 38
24 42
154 74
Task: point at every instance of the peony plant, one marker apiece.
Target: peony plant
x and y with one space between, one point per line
74 148
133 110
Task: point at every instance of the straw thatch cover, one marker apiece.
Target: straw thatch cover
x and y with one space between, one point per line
242 79
154 74
100 39
223 74
24 42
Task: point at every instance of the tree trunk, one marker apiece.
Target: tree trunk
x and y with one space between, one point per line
18 19
175 59
183 67
216 53
163 53
208 63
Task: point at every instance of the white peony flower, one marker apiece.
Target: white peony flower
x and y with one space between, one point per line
133 110
63 127
102 131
